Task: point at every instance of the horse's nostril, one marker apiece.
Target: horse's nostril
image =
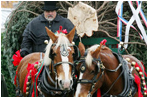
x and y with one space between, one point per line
61 82
71 81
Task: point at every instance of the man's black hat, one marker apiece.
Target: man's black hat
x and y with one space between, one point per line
50 6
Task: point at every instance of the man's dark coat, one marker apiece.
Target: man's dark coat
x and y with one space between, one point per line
35 33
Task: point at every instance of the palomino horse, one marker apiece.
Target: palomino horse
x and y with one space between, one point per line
99 68
56 78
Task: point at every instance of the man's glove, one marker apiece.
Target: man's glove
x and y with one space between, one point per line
23 53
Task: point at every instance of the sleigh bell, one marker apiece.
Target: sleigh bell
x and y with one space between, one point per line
133 63
142 78
28 83
27 93
140 73
36 66
29 77
137 68
128 59
145 93
144 88
27 88
143 83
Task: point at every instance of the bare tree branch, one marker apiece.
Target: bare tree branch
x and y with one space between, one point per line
102 6
63 7
68 3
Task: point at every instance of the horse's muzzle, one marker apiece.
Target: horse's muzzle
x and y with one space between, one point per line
66 84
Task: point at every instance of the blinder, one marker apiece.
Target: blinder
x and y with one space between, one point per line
97 61
76 53
83 68
52 54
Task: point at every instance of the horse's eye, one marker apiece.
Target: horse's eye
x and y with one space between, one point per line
92 72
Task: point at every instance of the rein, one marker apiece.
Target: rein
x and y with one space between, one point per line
48 88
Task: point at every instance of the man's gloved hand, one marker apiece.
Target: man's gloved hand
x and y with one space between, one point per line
23 53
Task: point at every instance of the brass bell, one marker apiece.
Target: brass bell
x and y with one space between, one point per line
145 93
128 59
133 63
36 66
140 73
46 41
27 88
27 93
143 83
144 88
29 77
142 78
137 68
28 83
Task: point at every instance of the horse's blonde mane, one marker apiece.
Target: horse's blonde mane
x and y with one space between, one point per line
89 57
62 39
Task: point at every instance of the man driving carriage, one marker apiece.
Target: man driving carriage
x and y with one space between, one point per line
35 37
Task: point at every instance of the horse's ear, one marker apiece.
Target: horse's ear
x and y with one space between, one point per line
52 36
70 35
95 54
81 48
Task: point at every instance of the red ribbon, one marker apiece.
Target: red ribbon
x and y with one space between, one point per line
103 42
33 70
62 31
17 58
137 81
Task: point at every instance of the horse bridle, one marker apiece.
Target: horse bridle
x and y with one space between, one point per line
95 79
54 65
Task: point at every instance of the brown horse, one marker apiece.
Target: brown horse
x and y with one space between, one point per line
57 75
99 68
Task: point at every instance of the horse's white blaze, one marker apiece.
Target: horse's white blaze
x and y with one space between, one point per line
65 67
66 71
79 86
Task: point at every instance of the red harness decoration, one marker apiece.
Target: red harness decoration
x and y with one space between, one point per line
144 69
137 81
17 58
31 72
62 31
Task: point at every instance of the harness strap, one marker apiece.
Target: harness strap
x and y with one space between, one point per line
113 83
48 73
114 70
